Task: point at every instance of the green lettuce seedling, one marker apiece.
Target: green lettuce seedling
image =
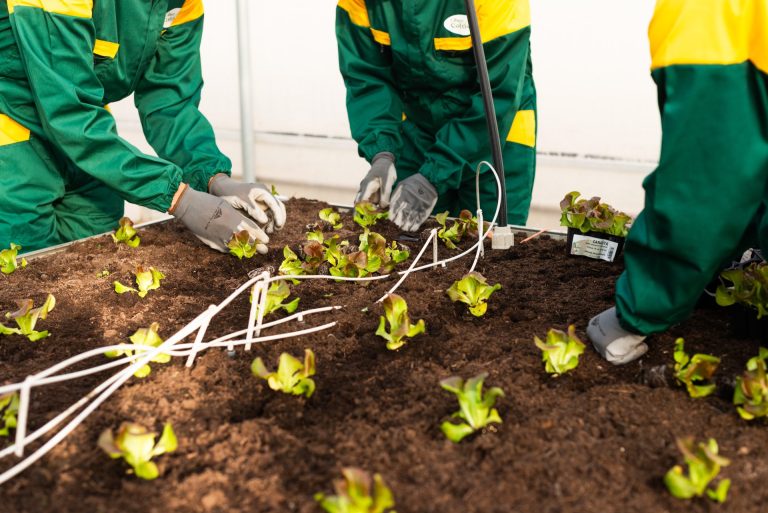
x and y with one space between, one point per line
142 337
750 394
126 233
477 409
146 280
367 215
277 293
704 465
561 351
8 259
400 327
381 257
694 371
136 445
291 264
26 318
465 224
473 290
749 286
292 376
592 215
9 408
273 190
242 245
353 494
331 217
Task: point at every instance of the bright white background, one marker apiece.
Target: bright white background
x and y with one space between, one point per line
598 121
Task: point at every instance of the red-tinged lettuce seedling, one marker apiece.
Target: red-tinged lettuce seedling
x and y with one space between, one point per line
358 493
136 445
292 376
473 289
9 408
331 217
477 408
704 465
749 286
277 293
146 280
242 245
26 318
9 260
400 326
126 233
465 224
695 372
142 337
355 265
591 215
751 391
561 351
367 215
381 257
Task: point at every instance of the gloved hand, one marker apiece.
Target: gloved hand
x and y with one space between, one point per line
253 198
613 342
376 187
412 202
214 221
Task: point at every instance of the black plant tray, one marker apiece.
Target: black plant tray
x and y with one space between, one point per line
594 245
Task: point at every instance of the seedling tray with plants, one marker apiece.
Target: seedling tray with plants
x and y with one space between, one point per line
593 438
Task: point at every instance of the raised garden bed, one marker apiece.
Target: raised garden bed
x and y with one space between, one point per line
597 440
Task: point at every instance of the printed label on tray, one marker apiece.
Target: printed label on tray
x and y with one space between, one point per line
599 249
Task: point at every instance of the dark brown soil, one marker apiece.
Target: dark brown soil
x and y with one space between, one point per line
597 440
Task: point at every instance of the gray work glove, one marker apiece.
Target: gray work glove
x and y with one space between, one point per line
214 221
412 202
613 342
376 187
253 198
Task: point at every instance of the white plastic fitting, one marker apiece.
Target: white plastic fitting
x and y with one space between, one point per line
503 238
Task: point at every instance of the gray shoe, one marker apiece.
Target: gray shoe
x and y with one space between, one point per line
613 342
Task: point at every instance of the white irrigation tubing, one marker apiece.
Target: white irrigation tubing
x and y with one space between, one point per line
432 236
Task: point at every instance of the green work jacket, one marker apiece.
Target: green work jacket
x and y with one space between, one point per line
63 61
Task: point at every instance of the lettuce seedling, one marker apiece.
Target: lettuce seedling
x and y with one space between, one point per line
704 465
26 318
473 290
477 409
400 327
367 215
292 376
750 394
242 245
273 190
278 291
291 264
465 224
9 408
146 280
749 286
8 259
331 217
355 265
353 494
126 233
136 445
381 257
694 371
561 351
592 215
142 337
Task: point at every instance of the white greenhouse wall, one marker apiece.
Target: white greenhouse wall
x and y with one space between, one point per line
598 122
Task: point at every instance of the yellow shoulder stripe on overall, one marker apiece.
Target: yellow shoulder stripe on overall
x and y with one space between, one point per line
11 132
496 19
78 8
190 11
357 12
709 32
105 48
523 129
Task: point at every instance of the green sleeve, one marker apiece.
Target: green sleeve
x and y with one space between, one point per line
374 107
463 143
57 54
167 97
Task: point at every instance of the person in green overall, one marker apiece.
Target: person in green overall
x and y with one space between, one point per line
416 111
65 171
706 202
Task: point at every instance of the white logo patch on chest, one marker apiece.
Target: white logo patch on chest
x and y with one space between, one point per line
170 17
458 24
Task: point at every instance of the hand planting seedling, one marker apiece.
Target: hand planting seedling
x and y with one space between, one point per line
473 290
366 214
593 216
142 337
400 327
704 465
8 259
465 224
477 409
278 291
354 494
292 376
9 408
694 371
331 217
749 286
126 233
136 445
242 245
146 280
561 351
26 318
750 393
